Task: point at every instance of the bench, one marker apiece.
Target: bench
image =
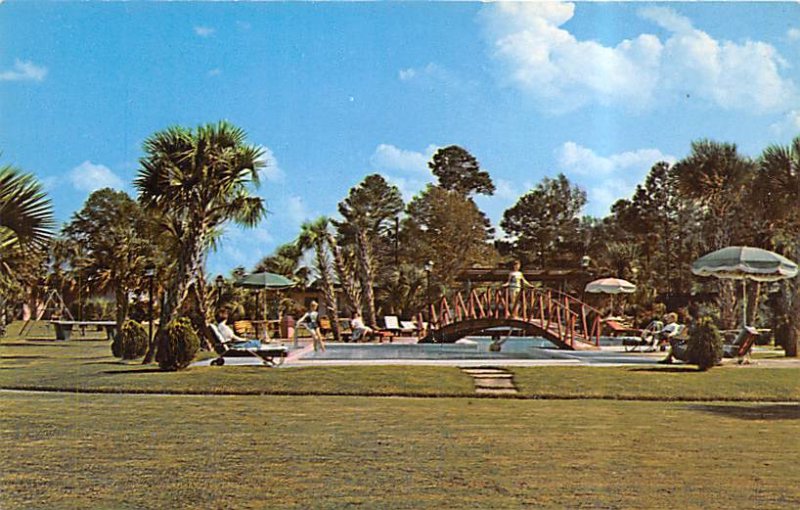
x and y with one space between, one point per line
64 328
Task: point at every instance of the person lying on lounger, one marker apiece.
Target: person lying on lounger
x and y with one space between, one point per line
229 337
360 330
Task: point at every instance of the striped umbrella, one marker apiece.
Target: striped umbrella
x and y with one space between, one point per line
745 263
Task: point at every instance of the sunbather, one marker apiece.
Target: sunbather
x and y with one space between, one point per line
228 335
360 330
669 333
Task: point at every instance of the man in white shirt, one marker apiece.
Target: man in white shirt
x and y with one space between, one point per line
229 337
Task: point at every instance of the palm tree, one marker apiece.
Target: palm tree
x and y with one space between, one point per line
777 190
314 235
346 277
198 180
26 215
26 223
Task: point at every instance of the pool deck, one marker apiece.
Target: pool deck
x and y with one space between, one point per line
607 356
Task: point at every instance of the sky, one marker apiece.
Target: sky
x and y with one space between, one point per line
336 91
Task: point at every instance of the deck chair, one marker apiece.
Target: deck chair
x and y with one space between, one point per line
409 327
392 323
742 345
267 353
620 328
647 337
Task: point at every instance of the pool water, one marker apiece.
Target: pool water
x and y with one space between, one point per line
475 348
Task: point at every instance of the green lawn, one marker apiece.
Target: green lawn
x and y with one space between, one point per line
87 365
147 451
244 448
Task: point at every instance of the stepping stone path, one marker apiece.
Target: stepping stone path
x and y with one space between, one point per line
491 380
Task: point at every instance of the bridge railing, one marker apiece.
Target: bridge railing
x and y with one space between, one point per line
558 313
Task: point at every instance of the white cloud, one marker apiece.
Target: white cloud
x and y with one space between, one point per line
24 70
793 34
203 31
389 157
90 177
789 124
431 70
539 56
272 172
413 165
506 190
607 178
215 72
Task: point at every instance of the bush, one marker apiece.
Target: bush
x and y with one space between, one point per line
131 341
177 345
704 348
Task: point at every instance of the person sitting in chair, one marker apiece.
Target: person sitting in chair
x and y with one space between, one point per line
669 333
360 330
229 337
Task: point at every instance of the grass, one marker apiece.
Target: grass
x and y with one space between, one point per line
673 382
87 365
147 451
129 450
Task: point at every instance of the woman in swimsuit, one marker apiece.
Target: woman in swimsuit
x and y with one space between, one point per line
310 321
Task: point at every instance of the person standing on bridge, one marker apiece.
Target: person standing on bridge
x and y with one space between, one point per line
516 280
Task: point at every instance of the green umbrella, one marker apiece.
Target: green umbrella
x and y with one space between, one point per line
745 263
265 281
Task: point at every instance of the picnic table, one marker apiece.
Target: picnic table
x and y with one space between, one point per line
64 328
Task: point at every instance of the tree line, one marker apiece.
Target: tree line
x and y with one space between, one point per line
380 255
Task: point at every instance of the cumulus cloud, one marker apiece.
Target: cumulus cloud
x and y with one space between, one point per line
537 55
389 157
412 166
607 178
24 70
793 34
429 71
89 177
203 31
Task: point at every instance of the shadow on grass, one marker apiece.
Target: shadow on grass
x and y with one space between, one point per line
24 357
149 370
31 343
752 412
667 369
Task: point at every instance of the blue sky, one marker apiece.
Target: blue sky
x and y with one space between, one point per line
335 91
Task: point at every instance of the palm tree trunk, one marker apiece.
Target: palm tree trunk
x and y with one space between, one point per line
328 290
186 271
345 276
367 274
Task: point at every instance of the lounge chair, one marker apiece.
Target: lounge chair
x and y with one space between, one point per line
392 323
742 345
647 337
267 353
739 349
618 327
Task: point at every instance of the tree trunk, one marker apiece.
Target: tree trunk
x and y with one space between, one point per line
328 290
345 276
186 271
367 275
121 296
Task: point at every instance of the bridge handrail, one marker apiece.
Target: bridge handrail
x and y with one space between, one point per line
550 307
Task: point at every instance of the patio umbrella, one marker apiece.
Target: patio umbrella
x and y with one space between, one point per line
611 286
745 263
265 281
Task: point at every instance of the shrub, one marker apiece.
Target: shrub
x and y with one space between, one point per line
177 345
704 348
131 341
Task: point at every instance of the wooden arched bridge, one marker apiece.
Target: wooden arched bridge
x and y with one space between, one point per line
563 319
